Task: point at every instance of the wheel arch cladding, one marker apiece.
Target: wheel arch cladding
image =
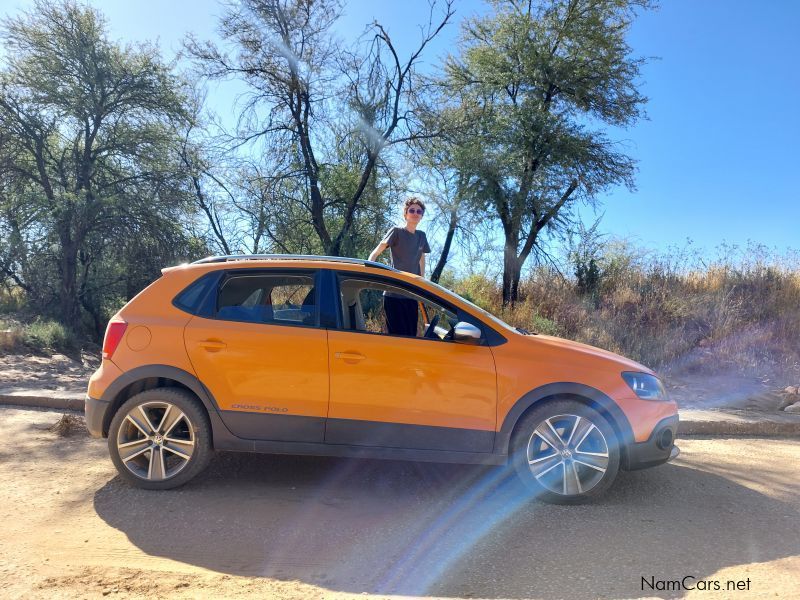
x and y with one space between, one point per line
149 377
585 394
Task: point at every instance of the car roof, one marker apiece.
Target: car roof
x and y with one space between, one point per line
254 261
292 257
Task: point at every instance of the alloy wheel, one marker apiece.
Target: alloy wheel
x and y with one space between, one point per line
568 454
155 441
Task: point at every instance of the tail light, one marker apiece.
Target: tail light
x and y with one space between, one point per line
114 333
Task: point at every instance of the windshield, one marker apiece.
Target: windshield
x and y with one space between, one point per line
474 306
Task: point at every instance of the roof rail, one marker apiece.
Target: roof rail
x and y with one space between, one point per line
341 259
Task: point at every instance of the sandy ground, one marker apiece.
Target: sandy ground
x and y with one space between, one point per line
727 388
57 372
294 527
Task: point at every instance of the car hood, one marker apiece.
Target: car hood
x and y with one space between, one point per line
568 346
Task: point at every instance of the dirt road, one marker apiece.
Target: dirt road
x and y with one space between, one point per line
286 527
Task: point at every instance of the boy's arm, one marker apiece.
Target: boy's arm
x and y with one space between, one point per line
378 251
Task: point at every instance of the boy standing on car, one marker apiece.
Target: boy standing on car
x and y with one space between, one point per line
408 248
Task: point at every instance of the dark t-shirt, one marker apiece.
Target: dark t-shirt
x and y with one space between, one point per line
406 248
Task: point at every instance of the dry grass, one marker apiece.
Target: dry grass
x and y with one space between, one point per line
69 425
742 311
11 337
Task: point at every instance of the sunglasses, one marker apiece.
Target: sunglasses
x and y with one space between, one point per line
416 211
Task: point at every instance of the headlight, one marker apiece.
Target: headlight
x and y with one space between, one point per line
647 387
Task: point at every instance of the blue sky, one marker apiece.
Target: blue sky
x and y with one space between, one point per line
717 157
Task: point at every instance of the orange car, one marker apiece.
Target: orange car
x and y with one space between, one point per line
292 355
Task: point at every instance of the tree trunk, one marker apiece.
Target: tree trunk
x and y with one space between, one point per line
318 217
448 242
70 314
99 325
512 269
350 209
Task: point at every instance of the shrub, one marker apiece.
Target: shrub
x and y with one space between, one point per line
46 335
479 289
12 300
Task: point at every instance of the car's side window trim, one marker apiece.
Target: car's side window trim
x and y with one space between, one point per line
486 340
315 274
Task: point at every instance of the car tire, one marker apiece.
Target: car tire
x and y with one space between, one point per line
565 452
160 438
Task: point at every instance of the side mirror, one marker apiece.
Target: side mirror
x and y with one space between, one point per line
466 333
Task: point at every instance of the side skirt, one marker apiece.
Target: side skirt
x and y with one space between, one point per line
231 443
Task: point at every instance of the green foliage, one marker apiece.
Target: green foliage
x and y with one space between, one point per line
368 222
92 191
12 300
48 335
535 75
585 256
478 289
41 336
588 275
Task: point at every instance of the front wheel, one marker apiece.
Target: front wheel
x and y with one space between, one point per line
565 452
160 438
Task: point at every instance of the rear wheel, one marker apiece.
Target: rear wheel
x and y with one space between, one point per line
160 438
565 451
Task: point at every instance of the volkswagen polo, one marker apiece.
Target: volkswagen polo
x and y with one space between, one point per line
292 355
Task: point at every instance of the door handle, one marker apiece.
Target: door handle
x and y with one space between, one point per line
212 345
350 356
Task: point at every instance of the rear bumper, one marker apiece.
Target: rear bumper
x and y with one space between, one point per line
658 449
95 415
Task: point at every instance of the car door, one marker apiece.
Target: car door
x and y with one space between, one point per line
263 355
399 391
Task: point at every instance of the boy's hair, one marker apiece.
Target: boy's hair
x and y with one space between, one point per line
413 200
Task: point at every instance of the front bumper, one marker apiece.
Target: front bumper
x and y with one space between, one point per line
659 448
95 415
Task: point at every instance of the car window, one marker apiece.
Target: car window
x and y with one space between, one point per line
265 298
192 296
474 307
381 308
